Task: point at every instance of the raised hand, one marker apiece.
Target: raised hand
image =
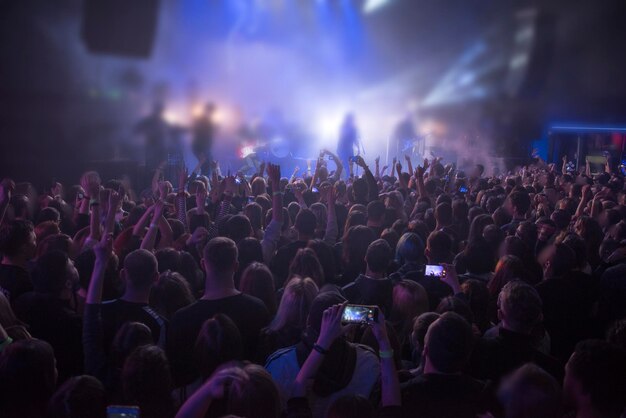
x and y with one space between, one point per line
419 171
90 181
199 236
377 160
273 172
407 158
331 325
399 167
426 164
262 168
104 248
183 175
159 206
6 190
358 160
115 200
450 277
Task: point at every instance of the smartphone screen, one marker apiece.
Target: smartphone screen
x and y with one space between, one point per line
434 271
122 411
359 314
463 189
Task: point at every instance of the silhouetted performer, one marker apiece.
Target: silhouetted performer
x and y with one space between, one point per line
348 141
203 133
155 131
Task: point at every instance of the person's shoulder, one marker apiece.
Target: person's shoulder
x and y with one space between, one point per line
280 356
183 315
251 301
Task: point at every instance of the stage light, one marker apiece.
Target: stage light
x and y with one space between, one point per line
371 6
197 110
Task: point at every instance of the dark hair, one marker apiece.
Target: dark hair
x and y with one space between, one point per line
356 240
561 218
170 293
509 268
50 274
375 210
601 369
220 254
238 227
531 392
218 342
257 396
456 305
326 257
420 327
477 296
479 257
58 242
79 397
410 248
48 214
257 280
84 264
306 264
127 338
378 256
351 406
27 378
141 268
520 201
449 343
249 250
14 235
443 213
305 222
146 381
439 245
563 260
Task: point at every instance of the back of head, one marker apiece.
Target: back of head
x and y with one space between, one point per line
519 306
355 243
218 342
306 222
443 214
78 397
146 379
295 304
563 261
439 245
249 250
51 273
322 302
351 406
257 280
359 189
520 202
220 255
59 242
306 264
410 249
16 237
257 396
420 327
27 377
170 293
479 257
448 343
409 301
597 370
140 269
378 256
238 227
130 336
326 257
375 211
48 214
530 392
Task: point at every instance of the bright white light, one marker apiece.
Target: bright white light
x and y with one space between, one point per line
371 6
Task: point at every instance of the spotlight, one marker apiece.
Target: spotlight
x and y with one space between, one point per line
371 6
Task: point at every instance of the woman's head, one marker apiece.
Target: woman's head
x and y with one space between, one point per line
130 336
254 212
79 396
355 243
146 380
326 257
219 341
257 280
254 394
410 249
295 304
170 293
509 268
409 301
306 264
478 226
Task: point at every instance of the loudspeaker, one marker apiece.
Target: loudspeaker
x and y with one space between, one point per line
120 27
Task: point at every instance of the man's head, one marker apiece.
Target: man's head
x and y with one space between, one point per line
238 227
519 307
595 378
18 240
517 204
438 247
55 274
140 270
530 392
443 214
375 213
410 249
306 222
448 343
378 256
219 257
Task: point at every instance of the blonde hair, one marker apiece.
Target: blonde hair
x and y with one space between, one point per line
295 303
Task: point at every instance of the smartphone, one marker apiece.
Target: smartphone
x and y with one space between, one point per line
352 159
463 189
250 199
434 270
359 314
237 180
80 196
122 411
315 190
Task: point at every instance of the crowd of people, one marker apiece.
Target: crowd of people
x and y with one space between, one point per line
223 295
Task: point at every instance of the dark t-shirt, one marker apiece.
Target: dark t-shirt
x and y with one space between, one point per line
247 312
52 320
444 396
14 281
117 312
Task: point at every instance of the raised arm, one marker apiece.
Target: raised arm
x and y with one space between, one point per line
6 189
115 202
181 197
332 230
377 174
337 162
148 240
409 165
272 232
390 385
372 185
